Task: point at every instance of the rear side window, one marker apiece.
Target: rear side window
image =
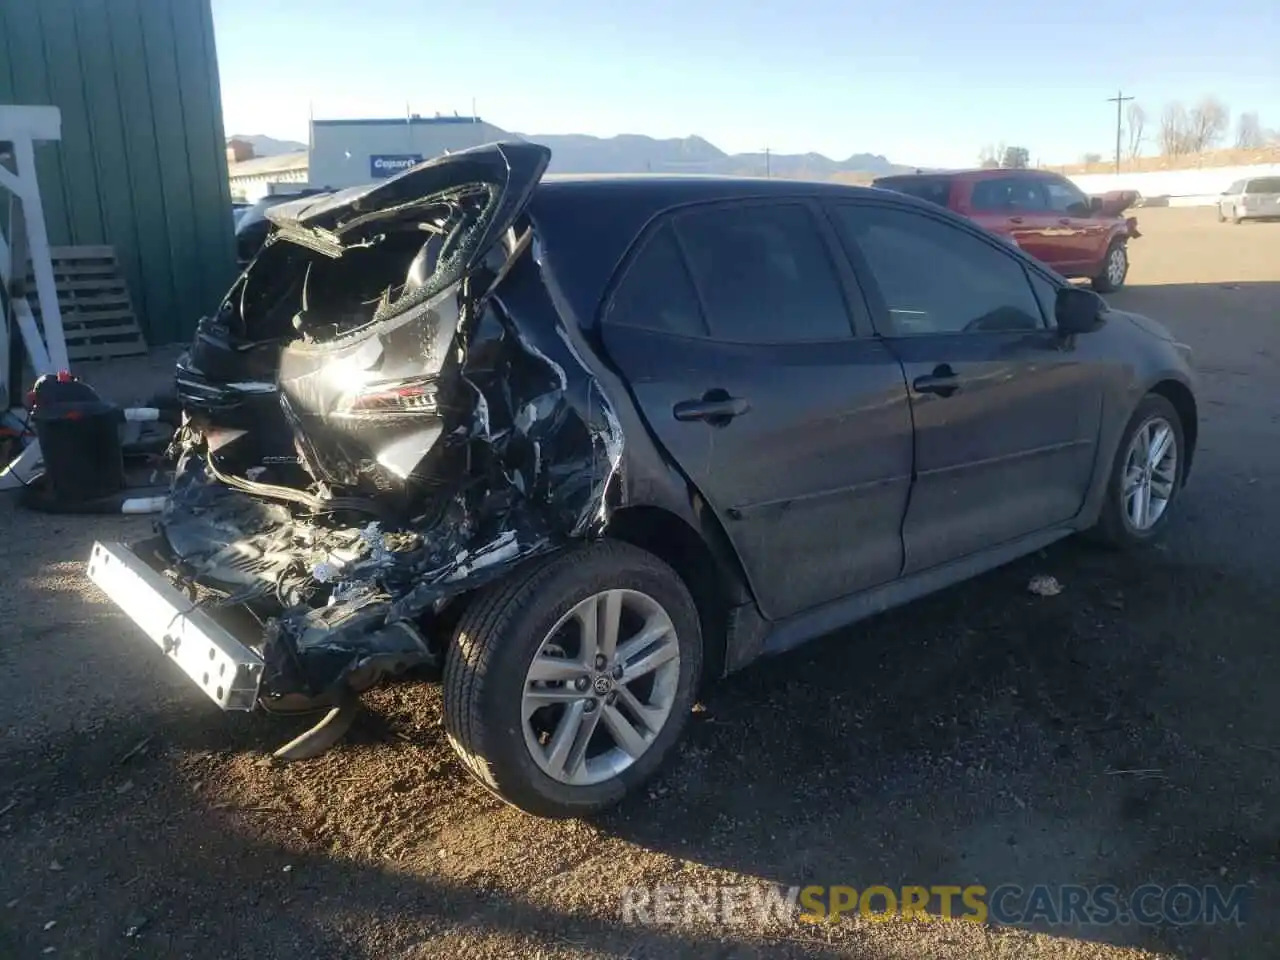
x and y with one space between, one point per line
1264 185
763 273
1009 193
656 293
936 277
934 189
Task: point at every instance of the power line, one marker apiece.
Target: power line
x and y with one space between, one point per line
1119 100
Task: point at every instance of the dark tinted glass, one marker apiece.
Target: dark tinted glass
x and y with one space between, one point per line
764 274
934 189
1265 185
939 278
655 292
1009 193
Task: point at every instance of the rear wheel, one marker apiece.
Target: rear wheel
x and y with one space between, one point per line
1146 477
567 685
1115 267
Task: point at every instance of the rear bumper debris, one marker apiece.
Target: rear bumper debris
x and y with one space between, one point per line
224 668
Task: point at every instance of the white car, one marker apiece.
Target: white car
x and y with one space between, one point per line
1253 199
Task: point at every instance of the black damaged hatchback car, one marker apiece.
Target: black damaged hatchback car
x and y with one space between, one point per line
583 444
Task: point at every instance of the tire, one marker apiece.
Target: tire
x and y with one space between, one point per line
1116 526
487 679
1221 218
1110 280
1235 216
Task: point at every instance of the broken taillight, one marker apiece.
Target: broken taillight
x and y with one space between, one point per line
399 398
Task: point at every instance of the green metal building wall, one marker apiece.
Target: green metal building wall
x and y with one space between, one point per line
142 163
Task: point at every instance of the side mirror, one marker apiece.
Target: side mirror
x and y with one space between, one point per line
1095 204
1077 310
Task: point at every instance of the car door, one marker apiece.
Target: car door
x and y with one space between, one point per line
1081 237
732 326
1006 413
1014 205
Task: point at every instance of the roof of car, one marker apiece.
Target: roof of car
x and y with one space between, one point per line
684 187
588 223
977 173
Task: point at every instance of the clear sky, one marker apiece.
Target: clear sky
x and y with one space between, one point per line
924 82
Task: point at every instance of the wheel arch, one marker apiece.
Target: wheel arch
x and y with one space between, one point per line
1184 401
670 538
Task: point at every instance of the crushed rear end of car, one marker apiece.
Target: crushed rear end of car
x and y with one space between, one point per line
370 432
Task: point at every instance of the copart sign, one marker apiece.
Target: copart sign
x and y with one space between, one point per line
385 164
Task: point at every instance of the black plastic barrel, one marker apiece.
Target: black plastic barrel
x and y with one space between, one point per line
79 436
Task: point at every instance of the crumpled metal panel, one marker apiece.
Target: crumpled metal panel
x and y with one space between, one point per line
519 455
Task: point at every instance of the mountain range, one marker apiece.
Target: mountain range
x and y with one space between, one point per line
264 146
635 153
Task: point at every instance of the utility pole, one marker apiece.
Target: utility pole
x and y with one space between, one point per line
1119 100
768 172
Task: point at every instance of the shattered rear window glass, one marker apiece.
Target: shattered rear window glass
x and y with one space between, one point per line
411 260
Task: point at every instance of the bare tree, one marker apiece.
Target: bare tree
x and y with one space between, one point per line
1249 134
1174 130
1210 120
1137 124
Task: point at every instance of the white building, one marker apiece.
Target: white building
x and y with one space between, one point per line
345 153
252 179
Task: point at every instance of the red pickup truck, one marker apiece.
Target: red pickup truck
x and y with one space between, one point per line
1046 214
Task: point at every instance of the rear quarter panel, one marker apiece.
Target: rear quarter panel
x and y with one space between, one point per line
1131 361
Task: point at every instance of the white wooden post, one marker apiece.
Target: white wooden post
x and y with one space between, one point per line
22 127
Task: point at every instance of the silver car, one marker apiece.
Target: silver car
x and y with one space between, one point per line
1253 199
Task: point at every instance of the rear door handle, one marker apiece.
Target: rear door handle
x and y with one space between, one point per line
1015 219
716 407
942 382
1065 221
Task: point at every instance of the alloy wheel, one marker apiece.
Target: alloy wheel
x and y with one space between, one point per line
1150 473
1117 266
600 687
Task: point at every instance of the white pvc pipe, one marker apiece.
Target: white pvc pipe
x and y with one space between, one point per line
142 505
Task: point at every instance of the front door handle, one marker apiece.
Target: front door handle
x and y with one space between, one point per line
1015 219
715 407
942 382
1065 221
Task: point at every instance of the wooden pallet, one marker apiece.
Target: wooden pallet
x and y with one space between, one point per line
97 316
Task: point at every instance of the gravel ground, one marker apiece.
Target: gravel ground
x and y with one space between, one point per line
983 735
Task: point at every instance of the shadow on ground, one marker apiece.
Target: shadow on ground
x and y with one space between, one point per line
985 735
1122 732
